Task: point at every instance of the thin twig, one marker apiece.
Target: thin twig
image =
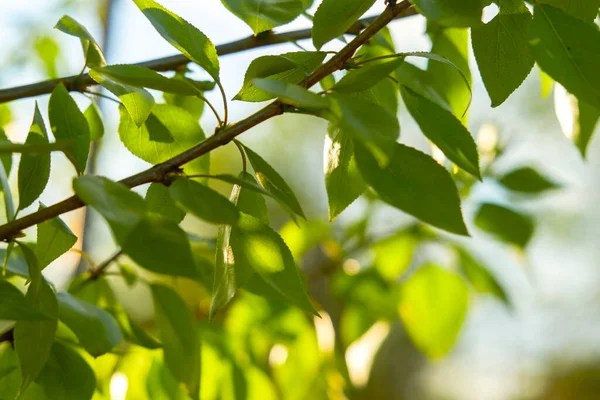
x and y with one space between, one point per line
157 172
99 270
98 94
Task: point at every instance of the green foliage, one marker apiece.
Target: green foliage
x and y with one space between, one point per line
91 51
556 45
54 238
334 17
34 170
262 15
502 50
182 35
479 277
94 120
160 201
526 180
450 12
68 123
291 94
15 306
433 306
505 224
363 78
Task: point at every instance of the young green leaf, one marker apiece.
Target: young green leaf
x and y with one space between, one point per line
555 38
34 170
444 130
586 124
451 45
420 81
10 379
179 335
451 12
96 330
167 132
505 224
414 183
138 102
33 339
66 375
502 51
250 201
91 51
479 277
263 15
121 207
586 10
259 247
526 180
9 206
342 179
94 120
230 274
289 93
394 254
54 238
203 202
273 182
182 35
363 78
6 158
15 306
142 77
160 201
433 306
135 334
69 123
158 244
334 17
288 67
366 121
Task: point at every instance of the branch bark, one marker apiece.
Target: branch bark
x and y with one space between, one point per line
79 83
157 172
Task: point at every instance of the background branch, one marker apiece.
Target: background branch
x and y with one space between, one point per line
79 82
157 172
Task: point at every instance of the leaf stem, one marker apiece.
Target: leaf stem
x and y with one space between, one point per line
98 94
225 106
242 153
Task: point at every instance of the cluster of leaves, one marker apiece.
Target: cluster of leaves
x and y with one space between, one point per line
57 334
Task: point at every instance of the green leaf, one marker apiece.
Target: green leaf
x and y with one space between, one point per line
394 254
9 206
167 132
94 120
179 335
444 130
288 67
33 339
14 306
142 77
433 306
367 76
343 181
263 15
273 182
203 202
556 43
69 123
249 200
159 245
160 201
182 35
96 330
91 51
54 238
294 95
119 206
10 376
138 102
7 148
6 159
414 183
451 44
67 375
34 170
334 17
526 180
586 124
368 122
262 250
502 51
586 10
160 383
420 81
451 12
505 224
136 334
479 277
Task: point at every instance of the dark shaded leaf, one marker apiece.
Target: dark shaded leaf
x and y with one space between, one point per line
203 202
505 224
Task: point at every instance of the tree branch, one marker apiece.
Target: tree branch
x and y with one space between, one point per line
157 172
80 82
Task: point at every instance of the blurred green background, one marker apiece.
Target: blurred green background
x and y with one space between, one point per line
546 345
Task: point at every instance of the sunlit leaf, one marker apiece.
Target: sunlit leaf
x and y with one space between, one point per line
182 35
262 15
334 17
367 76
294 95
91 51
433 306
451 12
203 202
160 201
54 238
586 10
94 120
